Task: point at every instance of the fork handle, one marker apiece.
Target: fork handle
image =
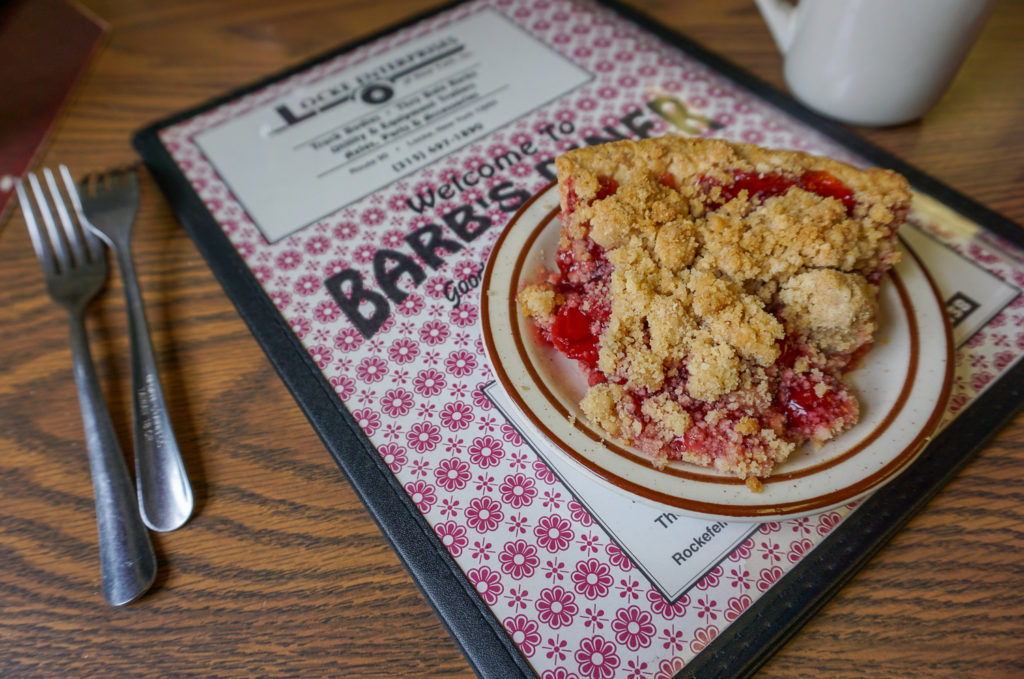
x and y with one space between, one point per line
127 561
165 495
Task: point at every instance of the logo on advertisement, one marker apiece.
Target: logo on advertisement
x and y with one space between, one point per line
959 307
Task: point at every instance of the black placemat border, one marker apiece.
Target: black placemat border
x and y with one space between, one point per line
780 612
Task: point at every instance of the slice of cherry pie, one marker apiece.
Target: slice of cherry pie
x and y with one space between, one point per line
715 293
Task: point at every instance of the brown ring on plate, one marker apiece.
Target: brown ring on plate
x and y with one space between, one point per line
809 504
699 475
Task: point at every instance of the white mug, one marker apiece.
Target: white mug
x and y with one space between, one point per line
873 62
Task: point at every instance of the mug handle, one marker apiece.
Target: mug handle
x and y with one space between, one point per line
780 16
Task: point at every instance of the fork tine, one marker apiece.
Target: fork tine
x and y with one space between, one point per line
87 185
63 257
59 249
131 178
76 245
39 241
57 240
69 184
92 242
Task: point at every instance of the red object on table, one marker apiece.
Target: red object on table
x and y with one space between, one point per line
45 46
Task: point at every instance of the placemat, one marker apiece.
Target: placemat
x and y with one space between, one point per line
348 206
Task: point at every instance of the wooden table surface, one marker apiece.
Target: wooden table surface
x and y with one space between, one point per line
282 571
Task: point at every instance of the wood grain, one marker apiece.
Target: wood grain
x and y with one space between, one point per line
282 572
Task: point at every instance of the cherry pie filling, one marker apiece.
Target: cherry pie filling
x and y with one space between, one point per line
806 404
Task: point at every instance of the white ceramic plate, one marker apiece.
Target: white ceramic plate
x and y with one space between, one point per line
902 385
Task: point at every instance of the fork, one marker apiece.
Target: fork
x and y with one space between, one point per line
107 203
75 266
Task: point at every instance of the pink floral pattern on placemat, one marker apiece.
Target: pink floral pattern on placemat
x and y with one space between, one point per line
573 604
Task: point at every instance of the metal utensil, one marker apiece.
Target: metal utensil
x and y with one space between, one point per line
107 203
75 266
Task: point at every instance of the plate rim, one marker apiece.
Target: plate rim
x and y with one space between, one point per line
787 509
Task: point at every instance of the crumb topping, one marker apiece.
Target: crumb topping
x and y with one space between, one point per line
538 302
835 311
709 278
